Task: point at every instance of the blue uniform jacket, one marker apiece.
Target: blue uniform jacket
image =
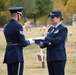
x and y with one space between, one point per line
57 37
15 42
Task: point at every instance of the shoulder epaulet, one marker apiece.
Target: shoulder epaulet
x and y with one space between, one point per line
4 26
64 25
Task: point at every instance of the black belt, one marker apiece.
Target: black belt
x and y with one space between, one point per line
10 44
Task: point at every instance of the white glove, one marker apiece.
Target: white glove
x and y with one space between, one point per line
40 44
31 41
39 38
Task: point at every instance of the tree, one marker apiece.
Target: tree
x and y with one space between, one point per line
65 2
15 3
33 8
67 7
43 20
61 5
38 8
4 12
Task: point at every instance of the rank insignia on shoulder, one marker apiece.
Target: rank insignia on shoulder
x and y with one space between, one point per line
21 32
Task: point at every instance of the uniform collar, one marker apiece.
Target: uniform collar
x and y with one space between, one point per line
57 25
12 19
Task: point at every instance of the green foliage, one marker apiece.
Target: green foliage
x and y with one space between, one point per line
38 7
3 5
32 8
4 12
14 3
44 7
29 6
4 18
43 20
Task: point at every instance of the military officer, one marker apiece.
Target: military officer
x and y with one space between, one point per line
15 40
56 52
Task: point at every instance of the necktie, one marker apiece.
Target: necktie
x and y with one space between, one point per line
53 30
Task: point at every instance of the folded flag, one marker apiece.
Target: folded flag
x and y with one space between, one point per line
37 38
42 42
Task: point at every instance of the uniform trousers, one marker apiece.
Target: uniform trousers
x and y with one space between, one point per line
15 68
56 67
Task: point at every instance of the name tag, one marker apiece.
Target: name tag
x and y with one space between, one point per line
57 31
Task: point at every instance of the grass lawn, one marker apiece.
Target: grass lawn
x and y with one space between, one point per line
32 66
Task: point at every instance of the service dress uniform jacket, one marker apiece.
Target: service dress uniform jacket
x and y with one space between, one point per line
57 37
15 42
56 52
